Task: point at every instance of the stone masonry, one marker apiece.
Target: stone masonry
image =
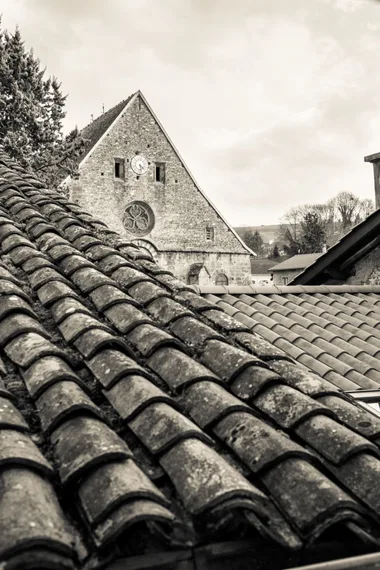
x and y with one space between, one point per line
183 227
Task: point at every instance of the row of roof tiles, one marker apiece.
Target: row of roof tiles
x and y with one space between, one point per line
216 423
335 335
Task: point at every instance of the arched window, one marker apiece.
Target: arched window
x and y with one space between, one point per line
221 279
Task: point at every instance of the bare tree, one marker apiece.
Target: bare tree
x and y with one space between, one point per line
331 220
347 207
366 208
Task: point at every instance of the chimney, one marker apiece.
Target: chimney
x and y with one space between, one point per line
324 248
375 159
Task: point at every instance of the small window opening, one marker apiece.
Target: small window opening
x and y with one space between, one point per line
284 280
159 172
119 169
193 279
221 279
210 233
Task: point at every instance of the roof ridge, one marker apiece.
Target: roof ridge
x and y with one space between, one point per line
122 102
283 289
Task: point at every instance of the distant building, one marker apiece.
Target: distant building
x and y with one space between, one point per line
287 270
133 178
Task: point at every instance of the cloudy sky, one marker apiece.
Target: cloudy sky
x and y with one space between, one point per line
272 103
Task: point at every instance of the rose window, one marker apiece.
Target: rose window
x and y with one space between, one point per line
138 218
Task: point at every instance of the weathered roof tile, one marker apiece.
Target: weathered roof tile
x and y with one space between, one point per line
207 403
204 479
111 485
147 338
259 445
110 365
133 394
332 440
29 347
95 340
82 443
17 449
288 407
73 326
192 332
178 369
160 427
17 324
89 279
61 401
106 296
126 317
31 515
354 416
294 482
227 361
166 311
46 371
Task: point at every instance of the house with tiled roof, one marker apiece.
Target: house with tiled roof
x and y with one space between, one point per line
146 423
132 177
283 272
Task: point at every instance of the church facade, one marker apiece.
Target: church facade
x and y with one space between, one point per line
132 177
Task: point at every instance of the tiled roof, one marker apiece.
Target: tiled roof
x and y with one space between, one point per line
138 417
332 330
337 262
296 262
96 129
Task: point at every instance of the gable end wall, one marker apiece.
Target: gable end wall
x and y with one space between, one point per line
181 211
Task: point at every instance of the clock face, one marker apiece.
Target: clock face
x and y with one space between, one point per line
139 164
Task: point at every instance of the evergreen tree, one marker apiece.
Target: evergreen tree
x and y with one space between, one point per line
313 234
32 110
275 252
254 241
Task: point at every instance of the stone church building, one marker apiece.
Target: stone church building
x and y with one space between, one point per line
132 177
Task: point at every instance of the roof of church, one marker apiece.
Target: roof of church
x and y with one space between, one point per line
93 132
337 262
140 422
299 261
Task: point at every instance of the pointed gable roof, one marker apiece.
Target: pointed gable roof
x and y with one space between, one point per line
93 132
98 129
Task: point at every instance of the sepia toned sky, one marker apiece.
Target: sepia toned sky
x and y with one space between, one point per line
272 103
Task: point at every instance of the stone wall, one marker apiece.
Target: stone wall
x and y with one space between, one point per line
290 274
236 267
367 270
181 212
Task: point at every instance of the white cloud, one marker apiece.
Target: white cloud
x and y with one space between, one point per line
270 103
